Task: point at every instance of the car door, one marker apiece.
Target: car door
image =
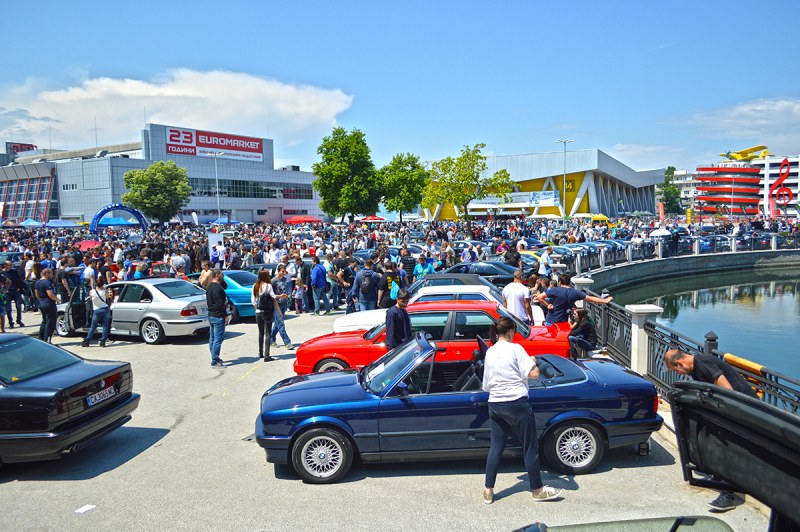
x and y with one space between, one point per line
467 326
434 323
422 421
129 308
76 311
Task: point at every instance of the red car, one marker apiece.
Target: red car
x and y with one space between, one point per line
454 325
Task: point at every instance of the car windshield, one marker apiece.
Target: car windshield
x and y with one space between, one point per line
25 358
242 278
179 289
383 371
522 327
375 331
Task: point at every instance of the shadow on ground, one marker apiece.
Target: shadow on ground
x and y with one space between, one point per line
106 454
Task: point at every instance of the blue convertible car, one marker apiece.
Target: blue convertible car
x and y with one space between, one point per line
408 406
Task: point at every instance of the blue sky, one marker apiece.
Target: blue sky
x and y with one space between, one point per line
652 83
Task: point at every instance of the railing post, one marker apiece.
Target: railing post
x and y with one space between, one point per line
582 283
639 343
711 343
774 242
696 245
629 252
578 264
660 249
602 258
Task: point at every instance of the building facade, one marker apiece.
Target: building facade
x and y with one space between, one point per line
583 181
228 174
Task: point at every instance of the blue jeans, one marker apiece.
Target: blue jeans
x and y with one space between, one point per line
350 305
367 304
319 293
101 315
507 418
16 298
335 294
578 342
216 332
279 326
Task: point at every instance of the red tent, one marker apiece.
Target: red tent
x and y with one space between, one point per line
373 218
302 219
86 245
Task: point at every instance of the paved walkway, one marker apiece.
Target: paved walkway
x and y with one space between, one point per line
184 463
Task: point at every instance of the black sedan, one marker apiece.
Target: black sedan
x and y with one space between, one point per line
497 273
53 402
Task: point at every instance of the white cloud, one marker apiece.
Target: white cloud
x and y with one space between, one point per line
774 122
645 156
215 100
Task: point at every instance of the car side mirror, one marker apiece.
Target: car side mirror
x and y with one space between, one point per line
402 388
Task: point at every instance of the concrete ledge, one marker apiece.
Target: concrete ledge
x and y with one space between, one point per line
622 275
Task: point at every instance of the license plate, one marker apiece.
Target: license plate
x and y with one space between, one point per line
101 396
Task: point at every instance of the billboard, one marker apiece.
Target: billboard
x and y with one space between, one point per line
13 148
181 141
546 198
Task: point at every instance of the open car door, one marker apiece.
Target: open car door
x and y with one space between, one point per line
750 446
76 310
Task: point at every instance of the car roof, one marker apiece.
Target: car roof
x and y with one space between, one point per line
150 280
453 305
454 289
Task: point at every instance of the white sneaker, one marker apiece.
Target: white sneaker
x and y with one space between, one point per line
547 494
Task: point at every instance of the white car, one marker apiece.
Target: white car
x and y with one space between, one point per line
366 320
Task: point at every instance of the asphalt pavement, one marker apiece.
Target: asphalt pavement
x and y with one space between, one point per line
186 462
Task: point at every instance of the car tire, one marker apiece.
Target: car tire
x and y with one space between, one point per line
322 456
151 331
235 317
61 326
575 447
330 364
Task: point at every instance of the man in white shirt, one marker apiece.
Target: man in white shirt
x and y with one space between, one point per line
517 299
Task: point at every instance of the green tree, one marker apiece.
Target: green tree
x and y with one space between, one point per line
346 179
670 193
403 180
459 181
159 191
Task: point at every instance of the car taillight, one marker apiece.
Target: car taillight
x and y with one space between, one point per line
61 407
191 310
656 400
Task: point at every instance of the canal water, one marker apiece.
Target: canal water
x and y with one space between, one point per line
755 314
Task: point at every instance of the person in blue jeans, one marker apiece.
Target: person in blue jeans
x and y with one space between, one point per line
101 312
366 290
318 286
217 316
281 290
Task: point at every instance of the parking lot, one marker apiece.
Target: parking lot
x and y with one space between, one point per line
185 462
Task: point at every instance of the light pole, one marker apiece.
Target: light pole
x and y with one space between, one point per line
216 179
565 142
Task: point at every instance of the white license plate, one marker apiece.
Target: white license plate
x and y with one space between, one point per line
101 396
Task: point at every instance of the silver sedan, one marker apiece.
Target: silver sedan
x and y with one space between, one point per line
150 308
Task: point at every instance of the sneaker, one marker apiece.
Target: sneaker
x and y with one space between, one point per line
273 344
218 365
547 494
327 312
488 497
268 358
102 343
724 502
11 325
291 347
20 324
85 343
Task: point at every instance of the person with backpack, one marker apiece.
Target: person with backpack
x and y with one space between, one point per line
263 299
347 277
318 286
235 259
366 287
390 285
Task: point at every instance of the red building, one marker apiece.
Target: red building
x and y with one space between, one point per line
731 188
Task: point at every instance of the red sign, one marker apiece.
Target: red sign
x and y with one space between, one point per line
661 211
209 144
779 193
17 147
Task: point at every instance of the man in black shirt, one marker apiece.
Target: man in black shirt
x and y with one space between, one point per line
398 323
708 368
217 316
346 276
513 258
45 294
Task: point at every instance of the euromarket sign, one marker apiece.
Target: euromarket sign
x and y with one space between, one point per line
182 141
546 198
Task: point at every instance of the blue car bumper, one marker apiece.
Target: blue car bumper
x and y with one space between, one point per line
622 433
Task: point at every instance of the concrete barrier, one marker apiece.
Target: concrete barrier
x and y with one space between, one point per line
616 277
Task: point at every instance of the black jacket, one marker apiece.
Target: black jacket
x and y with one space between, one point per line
216 300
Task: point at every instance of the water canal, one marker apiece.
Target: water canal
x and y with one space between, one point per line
756 314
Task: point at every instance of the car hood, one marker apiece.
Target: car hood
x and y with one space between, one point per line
330 387
611 373
334 339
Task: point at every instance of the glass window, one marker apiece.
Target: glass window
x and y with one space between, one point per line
25 358
484 269
132 294
439 282
146 296
430 322
180 289
472 297
471 324
434 297
242 278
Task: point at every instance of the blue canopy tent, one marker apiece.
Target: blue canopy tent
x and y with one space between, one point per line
61 224
224 220
31 223
115 221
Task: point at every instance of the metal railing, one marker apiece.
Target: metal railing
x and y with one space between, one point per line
613 326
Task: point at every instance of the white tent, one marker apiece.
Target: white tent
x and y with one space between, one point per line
543 217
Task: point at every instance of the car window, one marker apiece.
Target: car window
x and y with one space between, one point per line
472 297
25 358
461 268
132 294
484 269
434 297
242 278
180 289
146 297
471 324
439 282
430 322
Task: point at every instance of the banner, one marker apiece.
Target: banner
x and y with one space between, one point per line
547 198
660 206
208 144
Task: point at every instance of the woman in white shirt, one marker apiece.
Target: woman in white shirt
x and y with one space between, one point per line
507 370
101 313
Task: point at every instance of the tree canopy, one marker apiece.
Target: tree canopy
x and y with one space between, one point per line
460 180
346 179
159 191
403 181
670 193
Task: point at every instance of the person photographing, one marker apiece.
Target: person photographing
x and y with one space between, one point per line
507 370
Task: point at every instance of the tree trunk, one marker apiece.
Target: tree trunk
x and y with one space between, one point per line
401 217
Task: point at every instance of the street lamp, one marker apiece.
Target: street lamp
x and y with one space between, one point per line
216 179
565 142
